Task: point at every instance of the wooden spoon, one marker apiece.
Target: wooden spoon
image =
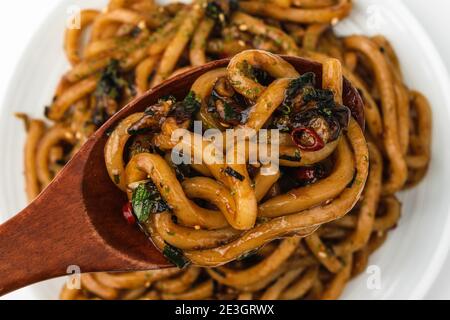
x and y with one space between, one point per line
77 220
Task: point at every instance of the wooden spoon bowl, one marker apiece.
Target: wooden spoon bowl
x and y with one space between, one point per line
77 220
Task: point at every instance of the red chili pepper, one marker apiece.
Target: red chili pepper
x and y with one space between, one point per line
127 211
298 136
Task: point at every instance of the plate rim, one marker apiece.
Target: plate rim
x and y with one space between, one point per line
442 252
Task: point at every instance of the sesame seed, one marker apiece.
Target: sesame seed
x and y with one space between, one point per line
243 27
142 24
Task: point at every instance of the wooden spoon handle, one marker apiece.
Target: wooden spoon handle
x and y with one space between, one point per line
48 237
68 225
24 258
31 246
51 234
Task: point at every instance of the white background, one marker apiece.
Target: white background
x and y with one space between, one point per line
19 18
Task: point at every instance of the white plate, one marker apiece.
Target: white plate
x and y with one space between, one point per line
414 253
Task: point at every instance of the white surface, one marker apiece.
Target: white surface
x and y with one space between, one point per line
403 261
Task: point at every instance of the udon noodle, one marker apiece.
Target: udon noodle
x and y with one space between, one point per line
300 233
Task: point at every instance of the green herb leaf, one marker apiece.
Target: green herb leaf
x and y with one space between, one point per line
191 103
176 256
146 200
324 96
213 10
220 10
110 89
183 110
229 113
111 81
305 80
